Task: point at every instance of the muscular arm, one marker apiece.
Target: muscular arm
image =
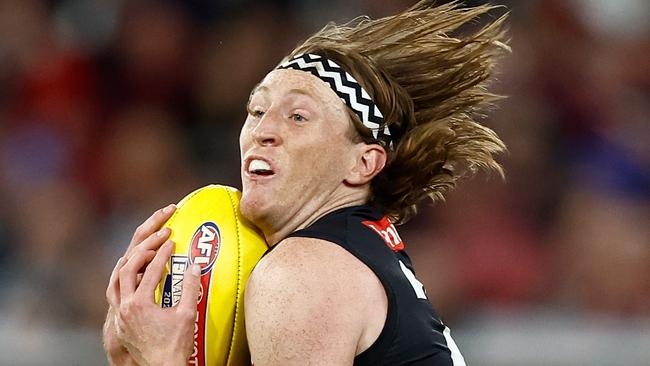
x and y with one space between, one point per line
309 302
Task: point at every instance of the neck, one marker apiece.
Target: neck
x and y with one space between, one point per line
308 214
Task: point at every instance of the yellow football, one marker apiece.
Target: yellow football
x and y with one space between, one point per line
208 230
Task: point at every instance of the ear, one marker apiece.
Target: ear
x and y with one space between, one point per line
370 160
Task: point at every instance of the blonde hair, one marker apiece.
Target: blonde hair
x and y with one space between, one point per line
431 88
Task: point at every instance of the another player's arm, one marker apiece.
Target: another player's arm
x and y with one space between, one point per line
303 305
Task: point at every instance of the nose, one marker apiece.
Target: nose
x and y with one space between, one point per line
267 130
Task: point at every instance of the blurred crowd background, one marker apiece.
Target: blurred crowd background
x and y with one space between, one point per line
110 109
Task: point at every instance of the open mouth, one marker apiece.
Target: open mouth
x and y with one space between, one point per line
258 167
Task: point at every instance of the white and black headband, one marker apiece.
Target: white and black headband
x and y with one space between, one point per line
347 88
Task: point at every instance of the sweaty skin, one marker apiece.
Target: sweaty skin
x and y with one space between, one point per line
305 299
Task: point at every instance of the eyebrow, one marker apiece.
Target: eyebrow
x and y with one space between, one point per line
259 87
255 89
265 89
302 92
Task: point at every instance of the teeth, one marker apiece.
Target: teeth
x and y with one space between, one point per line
257 165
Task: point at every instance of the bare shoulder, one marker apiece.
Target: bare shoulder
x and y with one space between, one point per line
303 257
303 302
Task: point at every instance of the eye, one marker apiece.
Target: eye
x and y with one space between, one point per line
256 113
298 118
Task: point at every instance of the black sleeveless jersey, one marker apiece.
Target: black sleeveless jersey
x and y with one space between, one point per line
413 333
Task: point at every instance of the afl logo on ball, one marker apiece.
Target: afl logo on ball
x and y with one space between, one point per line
205 245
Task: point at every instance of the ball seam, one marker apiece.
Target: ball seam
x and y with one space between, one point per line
233 205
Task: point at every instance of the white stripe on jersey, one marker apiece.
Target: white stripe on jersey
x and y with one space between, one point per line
456 358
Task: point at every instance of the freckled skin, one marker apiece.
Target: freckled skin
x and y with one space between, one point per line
304 299
310 302
311 158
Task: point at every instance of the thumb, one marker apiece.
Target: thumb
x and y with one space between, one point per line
191 287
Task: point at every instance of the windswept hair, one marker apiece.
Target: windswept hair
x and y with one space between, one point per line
430 82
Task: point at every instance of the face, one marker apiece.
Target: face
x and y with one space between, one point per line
295 148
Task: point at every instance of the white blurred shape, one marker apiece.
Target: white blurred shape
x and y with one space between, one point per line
619 19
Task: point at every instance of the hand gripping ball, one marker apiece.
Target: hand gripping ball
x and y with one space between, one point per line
208 230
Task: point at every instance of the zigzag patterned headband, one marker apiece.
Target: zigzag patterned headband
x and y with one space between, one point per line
347 88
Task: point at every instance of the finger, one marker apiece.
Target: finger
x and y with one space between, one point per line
191 288
113 290
150 225
109 334
128 274
156 269
109 325
152 242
